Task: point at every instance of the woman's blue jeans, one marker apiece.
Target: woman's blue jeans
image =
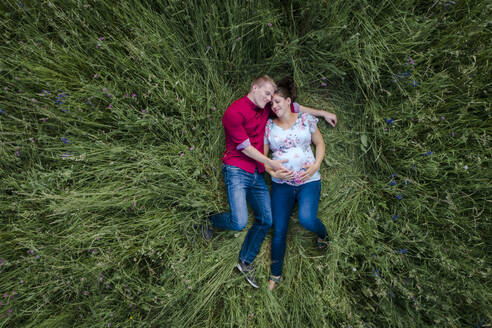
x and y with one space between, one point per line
284 197
242 188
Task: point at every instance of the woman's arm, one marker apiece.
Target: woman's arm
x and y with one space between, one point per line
319 143
329 117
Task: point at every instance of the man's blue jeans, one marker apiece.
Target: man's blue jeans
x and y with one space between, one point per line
284 197
242 188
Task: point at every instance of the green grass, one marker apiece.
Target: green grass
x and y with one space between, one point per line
100 194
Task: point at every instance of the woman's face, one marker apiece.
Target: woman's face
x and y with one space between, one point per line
280 105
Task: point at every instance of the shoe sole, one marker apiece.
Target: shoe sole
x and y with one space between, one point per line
246 276
207 233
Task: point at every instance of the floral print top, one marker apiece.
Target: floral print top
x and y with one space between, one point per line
294 145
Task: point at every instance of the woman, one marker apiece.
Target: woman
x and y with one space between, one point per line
289 137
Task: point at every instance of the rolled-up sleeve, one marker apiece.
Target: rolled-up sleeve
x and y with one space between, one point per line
234 125
296 108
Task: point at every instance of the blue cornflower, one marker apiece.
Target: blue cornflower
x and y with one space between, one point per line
393 175
1 111
399 196
403 251
392 183
427 154
414 83
376 273
65 141
389 120
395 217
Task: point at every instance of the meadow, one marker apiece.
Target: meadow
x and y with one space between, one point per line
110 156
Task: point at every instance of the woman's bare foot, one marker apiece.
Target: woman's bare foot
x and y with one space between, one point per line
273 282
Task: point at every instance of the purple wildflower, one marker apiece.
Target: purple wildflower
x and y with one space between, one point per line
213 109
208 47
95 76
31 251
110 106
465 167
144 111
182 154
65 141
17 153
101 38
452 133
5 295
323 84
323 78
105 90
392 183
399 197
192 148
134 95
388 120
37 257
44 119
393 175
269 24
403 251
9 311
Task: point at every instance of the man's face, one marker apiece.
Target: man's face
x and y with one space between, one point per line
263 95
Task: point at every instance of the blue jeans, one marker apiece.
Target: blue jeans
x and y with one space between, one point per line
241 187
284 197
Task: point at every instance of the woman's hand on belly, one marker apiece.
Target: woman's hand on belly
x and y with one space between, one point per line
310 169
284 174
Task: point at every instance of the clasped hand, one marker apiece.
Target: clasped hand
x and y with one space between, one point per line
310 169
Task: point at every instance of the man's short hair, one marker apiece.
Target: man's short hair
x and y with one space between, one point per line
261 80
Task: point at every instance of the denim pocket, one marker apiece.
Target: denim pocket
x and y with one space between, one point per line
234 175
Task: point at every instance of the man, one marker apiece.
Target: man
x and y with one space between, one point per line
244 124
